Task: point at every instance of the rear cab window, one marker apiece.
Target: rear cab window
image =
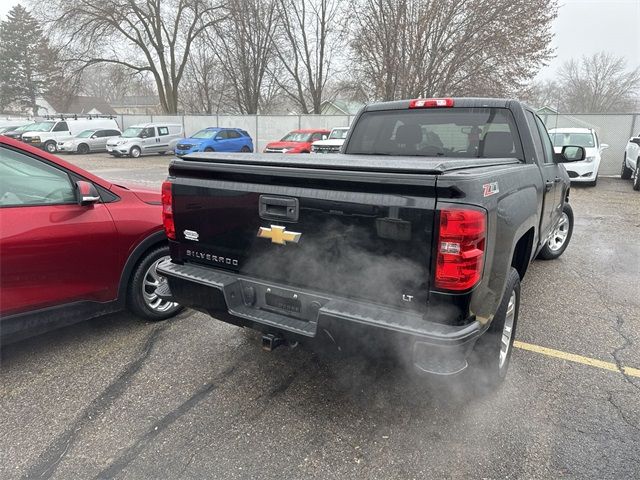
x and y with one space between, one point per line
484 132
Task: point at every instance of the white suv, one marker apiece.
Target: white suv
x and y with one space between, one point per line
146 139
585 171
333 143
631 161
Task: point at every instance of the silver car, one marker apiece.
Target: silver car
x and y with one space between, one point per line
88 141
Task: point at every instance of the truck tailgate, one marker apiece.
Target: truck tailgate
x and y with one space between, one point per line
355 234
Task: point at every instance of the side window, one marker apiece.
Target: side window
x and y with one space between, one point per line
233 134
100 134
546 141
223 134
316 136
537 141
26 181
113 133
163 131
149 132
61 127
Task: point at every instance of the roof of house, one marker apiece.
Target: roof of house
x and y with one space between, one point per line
348 107
136 101
81 104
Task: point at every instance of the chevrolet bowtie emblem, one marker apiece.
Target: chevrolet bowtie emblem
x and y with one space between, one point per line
279 235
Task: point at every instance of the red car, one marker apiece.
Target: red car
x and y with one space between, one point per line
297 141
73 246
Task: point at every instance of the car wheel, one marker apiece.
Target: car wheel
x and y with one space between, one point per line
595 182
135 152
50 147
83 148
491 355
141 297
636 176
561 236
209 149
626 171
245 149
162 152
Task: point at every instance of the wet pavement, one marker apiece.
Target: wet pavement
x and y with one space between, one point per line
197 398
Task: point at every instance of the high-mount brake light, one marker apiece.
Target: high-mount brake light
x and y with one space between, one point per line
431 103
461 244
167 211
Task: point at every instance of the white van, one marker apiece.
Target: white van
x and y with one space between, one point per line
146 139
46 134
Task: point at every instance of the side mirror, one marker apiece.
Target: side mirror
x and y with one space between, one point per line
604 146
570 153
87 193
217 139
94 136
636 141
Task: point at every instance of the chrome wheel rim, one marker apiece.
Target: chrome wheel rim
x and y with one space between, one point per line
560 234
149 285
135 153
51 148
507 330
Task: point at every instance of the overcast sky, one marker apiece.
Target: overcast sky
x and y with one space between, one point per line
583 27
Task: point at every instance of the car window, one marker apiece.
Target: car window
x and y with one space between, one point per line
537 140
113 133
26 181
148 132
163 131
223 134
546 141
61 127
233 134
316 136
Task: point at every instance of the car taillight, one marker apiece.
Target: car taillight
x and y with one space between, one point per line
167 211
461 243
431 103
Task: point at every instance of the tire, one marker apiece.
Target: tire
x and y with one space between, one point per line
83 148
594 183
636 176
245 149
561 237
491 355
209 149
626 171
162 152
50 147
135 152
141 300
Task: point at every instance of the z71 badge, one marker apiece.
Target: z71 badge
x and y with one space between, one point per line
489 189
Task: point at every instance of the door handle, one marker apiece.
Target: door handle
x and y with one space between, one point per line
282 209
548 185
557 180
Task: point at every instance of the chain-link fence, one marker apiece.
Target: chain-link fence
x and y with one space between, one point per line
612 129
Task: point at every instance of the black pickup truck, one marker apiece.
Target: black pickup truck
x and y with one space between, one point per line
415 237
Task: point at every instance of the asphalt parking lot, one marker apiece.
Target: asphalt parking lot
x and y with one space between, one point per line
196 398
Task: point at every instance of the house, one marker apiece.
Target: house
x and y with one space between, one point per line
78 104
340 107
137 105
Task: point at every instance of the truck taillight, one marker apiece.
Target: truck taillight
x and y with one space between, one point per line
461 244
431 103
167 211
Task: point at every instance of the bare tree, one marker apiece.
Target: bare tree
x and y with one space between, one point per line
546 93
244 47
599 83
409 48
308 44
153 36
113 82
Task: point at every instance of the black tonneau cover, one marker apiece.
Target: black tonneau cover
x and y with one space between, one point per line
371 163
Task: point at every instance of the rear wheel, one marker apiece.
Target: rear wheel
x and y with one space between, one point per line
209 149
491 355
561 236
245 149
135 152
141 298
626 171
83 148
636 176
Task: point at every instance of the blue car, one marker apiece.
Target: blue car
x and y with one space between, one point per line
215 139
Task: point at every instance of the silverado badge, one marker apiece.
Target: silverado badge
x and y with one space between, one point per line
279 235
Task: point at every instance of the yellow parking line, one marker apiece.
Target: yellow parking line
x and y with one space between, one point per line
572 357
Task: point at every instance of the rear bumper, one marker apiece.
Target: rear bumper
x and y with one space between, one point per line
431 347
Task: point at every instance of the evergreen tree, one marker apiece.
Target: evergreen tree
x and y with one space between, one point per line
24 66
